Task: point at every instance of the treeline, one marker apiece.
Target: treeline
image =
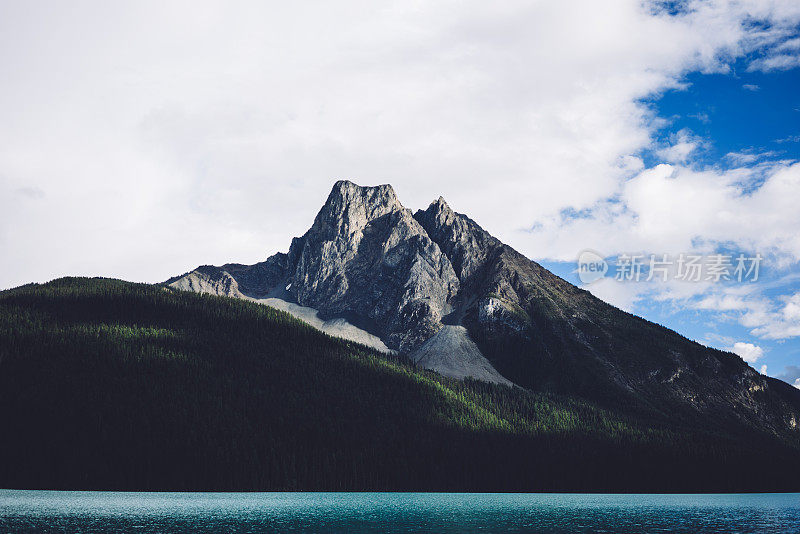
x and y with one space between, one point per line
111 385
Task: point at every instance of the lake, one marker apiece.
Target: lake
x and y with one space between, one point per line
68 511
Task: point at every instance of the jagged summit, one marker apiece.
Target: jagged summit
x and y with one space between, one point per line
347 191
374 195
437 287
341 186
466 244
367 258
350 207
440 203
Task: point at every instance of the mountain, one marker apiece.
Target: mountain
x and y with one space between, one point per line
437 288
112 385
367 263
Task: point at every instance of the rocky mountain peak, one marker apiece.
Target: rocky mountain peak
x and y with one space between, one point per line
367 258
465 243
440 204
350 207
439 212
349 192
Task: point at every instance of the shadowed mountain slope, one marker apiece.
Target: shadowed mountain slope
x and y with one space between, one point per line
118 386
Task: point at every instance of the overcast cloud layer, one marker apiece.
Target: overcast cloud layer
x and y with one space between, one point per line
140 141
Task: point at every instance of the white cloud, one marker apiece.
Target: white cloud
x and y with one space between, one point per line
776 62
791 374
622 295
773 318
790 45
745 158
784 322
682 146
750 87
167 135
789 139
778 49
747 351
791 311
672 209
763 369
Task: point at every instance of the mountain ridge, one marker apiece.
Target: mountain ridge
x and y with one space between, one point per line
404 277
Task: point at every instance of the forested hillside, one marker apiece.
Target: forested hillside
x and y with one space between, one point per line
106 384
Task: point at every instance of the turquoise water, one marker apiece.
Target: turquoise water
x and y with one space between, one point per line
57 511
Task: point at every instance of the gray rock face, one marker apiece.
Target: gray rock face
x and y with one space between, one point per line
209 280
234 279
467 245
366 256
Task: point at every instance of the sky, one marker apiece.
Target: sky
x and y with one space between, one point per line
141 139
